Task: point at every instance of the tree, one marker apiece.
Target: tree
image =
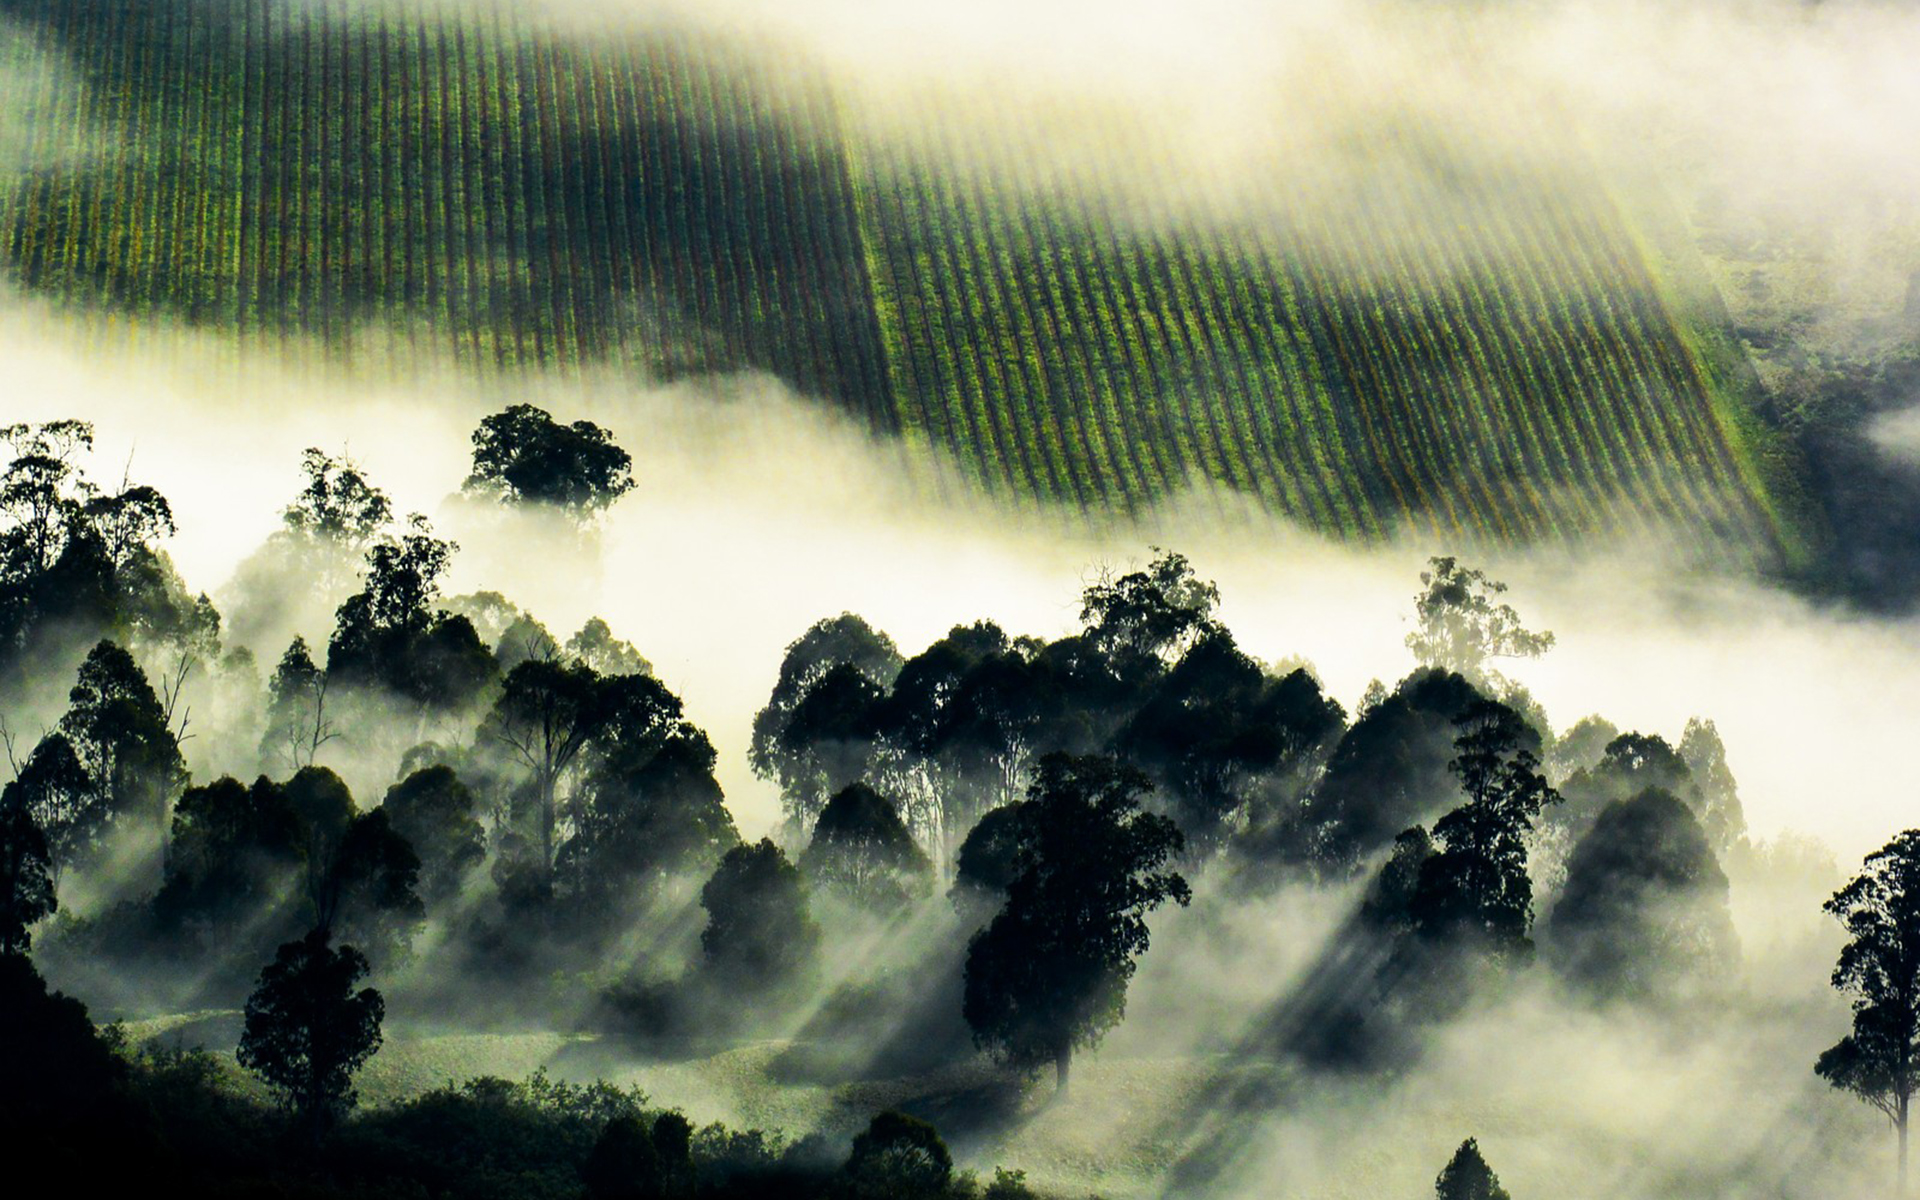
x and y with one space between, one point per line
1879 968
1463 626
829 740
759 934
307 1031
861 848
1468 1177
58 792
632 1161
337 516
1706 758
297 721
434 811
389 634
1214 725
1644 908
239 859
1388 772
898 1157
1476 887
842 641
595 645
546 713
119 732
1143 621
338 503
1050 972
26 873
523 455
644 813
989 858
846 638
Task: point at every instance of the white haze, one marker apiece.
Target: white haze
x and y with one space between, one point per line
757 513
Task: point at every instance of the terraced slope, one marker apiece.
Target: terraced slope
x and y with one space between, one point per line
517 197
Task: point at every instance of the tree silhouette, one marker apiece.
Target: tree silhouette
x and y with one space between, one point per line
119 732
1643 912
1143 621
1879 968
525 456
845 641
26 873
545 714
898 1157
1476 887
434 811
389 634
56 789
297 721
632 1161
1215 724
1468 1177
759 933
1050 972
1463 626
307 1031
861 848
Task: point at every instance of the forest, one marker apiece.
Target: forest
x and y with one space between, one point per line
978 842
788 598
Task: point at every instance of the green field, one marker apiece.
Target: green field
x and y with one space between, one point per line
519 198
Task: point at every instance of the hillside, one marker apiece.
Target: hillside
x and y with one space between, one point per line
516 198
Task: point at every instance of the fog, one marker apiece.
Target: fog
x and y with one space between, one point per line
758 511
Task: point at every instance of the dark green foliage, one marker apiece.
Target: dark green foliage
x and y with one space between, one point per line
1463 626
1050 972
58 1079
862 849
1216 727
297 721
632 1161
524 455
1468 1177
828 643
339 504
1879 970
898 1157
759 933
308 1032
435 812
120 734
78 563
389 636
1476 890
828 740
545 714
1144 620
26 874
239 858
1388 772
989 858
1643 913
648 810
1630 764
370 889
1389 904
56 789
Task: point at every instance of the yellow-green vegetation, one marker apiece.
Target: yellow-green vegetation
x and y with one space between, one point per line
518 197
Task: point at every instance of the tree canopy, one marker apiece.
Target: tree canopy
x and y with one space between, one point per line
308 1032
525 456
1050 972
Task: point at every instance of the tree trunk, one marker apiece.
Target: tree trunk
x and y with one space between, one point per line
1063 1058
1900 1123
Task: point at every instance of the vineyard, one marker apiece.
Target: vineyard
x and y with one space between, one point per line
515 197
